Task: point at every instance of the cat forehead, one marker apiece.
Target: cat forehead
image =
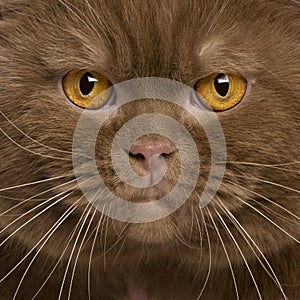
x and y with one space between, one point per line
145 12
148 35
184 19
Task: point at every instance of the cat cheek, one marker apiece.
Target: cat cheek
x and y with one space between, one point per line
116 114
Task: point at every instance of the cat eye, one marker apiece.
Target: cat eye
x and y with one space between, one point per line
86 89
221 91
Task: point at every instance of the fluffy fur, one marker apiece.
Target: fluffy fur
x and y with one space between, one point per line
244 244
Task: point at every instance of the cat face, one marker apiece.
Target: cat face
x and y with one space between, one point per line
186 41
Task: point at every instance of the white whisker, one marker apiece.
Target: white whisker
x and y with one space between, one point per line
32 183
272 166
48 234
79 250
201 234
73 249
181 239
120 236
24 201
268 219
31 151
269 182
227 256
192 223
120 248
105 241
68 6
253 60
241 253
98 20
34 217
32 139
270 201
91 255
69 239
210 257
243 232
216 18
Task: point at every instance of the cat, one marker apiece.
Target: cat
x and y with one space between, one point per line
241 59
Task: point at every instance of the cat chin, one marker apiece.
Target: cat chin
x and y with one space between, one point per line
153 233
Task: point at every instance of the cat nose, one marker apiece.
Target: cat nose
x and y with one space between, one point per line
151 153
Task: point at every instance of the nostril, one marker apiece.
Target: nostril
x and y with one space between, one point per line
166 154
137 155
148 150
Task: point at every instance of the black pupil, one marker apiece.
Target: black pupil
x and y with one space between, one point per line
86 83
222 84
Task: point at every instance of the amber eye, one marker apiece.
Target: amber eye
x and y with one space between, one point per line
86 89
221 91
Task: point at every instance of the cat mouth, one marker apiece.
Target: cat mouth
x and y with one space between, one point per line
150 194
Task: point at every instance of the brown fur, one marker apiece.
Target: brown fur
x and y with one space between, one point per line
181 40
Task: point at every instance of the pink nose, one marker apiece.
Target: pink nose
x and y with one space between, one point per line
151 152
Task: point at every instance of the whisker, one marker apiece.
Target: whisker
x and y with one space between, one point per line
210 257
69 239
217 16
192 223
227 256
99 20
48 235
268 219
32 197
201 234
73 249
116 242
181 239
261 65
32 183
273 166
105 241
32 139
269 200
269 182
243 232
91 255
241 253
68 6
120 248
31 151
51 232
79 250
34 217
